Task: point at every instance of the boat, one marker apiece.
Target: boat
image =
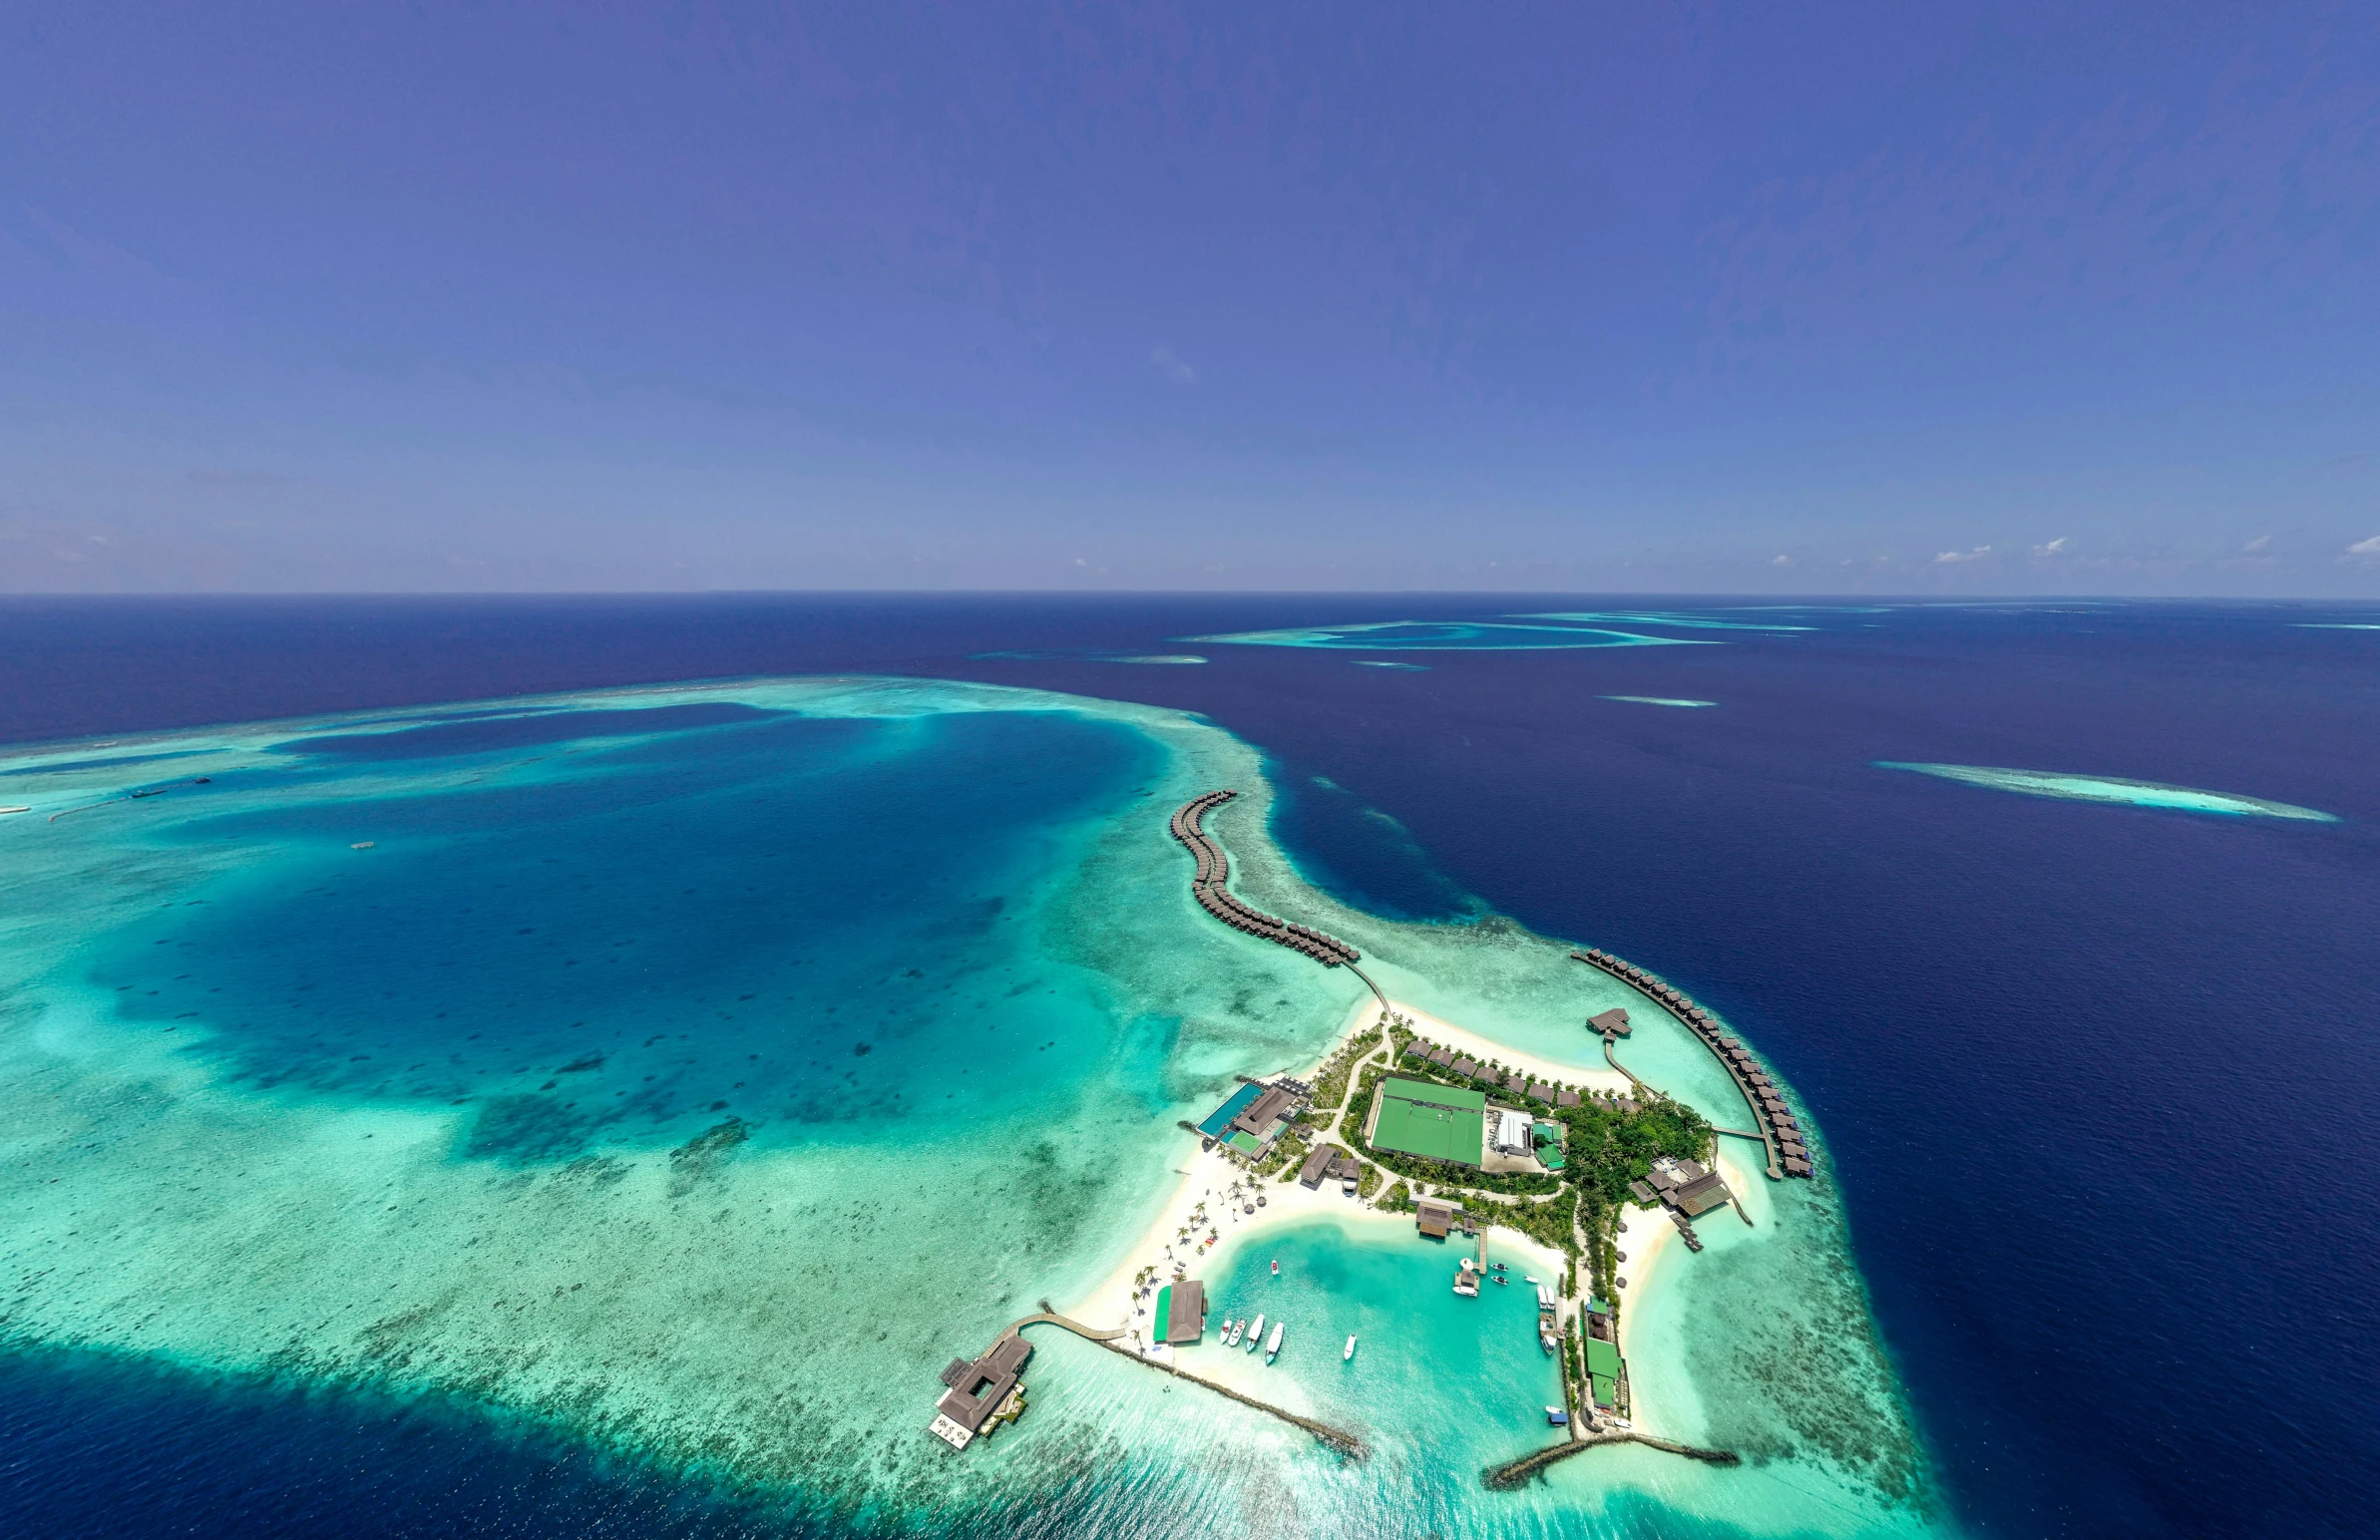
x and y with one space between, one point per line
1557 1416
1231 1332
1495 1267
1256 1334
1273 1343
1350 1351
1276 1269
1545 1340
1502 1278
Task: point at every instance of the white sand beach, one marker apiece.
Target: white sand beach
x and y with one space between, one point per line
1206 1177
1598 1076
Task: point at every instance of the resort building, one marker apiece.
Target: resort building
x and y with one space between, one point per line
1512 1132
1255 1115
1684 1185
979 1391
1327 1161
1611 1023
1181 1313
1435 1219
1437 1122
1603 1372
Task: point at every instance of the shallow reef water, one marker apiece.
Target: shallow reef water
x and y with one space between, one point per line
689 1073
1442 637
2100 788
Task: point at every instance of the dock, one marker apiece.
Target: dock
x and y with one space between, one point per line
1776 1127
1210 885
1005 1358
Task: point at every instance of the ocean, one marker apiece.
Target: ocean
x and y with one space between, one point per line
2090 1076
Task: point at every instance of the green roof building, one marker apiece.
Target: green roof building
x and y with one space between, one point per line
1437 1122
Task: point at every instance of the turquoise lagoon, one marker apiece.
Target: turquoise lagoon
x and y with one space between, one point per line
693 1071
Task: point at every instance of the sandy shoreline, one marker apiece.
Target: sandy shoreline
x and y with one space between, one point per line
1598 1076
1206 1176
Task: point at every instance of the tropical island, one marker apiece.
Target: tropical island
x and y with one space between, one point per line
1408 1114
696 1073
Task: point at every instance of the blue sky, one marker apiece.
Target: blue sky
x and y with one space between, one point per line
1834 298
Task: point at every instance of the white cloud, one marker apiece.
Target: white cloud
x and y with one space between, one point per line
2259 544
2052 549
1781 559
2365 548
1172 367
1977 555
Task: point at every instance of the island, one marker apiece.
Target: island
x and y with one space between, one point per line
1411 1115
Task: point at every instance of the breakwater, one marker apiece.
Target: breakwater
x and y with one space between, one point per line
1779 1130
1210 887
1520 1470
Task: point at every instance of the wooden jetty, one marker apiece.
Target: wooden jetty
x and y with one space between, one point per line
1778 1129
1011 1361
1210 885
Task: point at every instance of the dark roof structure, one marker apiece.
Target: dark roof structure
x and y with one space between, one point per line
1311 1173
1433 1218
1566 1099
1264 1112
1614 1020
1465 1068
982 1385
1186 1321
1538 1090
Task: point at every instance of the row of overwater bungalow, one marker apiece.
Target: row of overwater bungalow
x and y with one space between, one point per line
1209 886
1768 1105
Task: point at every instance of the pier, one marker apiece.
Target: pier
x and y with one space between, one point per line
1778 1131
1337 1437
1210 885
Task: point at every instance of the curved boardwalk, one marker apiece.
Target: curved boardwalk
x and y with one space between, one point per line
1777 1128
1210 887
1338 1438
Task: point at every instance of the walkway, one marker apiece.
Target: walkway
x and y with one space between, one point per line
1338 1438
1780 1132
1211 886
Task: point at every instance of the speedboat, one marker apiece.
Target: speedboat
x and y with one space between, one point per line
1276 1269
1273 1343
1256 1334
1350 1351
1502 1278
1231 1332
1557 1416
1495 1267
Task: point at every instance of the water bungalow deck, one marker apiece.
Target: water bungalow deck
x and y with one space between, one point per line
1779 1130
1209 886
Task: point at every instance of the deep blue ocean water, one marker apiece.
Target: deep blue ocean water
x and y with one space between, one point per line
2098 1082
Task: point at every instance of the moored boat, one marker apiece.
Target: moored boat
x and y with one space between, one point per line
1273 1343
1256 1334
1351 1349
